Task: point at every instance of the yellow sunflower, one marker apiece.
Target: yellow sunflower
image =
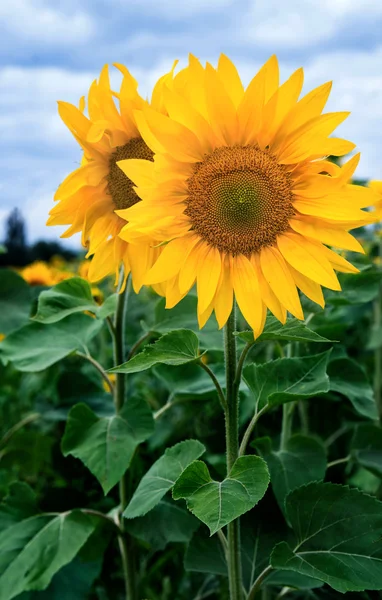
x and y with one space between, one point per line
41 273
244 200
377 187
89 196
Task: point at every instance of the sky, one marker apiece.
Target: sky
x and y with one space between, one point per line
53 49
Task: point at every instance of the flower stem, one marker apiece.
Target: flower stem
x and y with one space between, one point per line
124 541
232 446
378 351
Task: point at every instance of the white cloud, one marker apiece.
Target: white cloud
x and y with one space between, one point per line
178 10
35 21
300 23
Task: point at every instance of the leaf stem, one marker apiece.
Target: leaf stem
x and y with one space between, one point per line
138 344
100 515
339 461
25 421
258 583
99 368
215 382
232 446
124 541
286 426
250 428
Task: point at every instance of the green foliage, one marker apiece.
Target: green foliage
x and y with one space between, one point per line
35 347
303 460
106 445
350 380
162 476
287 379
67 297
217 504
177 347
339 537
15 301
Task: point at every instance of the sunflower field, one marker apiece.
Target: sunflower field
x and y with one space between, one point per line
194 410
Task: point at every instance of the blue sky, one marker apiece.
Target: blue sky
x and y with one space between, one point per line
53 49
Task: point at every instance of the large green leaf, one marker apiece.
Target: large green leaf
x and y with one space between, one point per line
106 445
348 378
218 503
166 523
339 537
367 447
205 554
35 347
67 297
303 460
160 478
174 348
34 549
293 331
287 379
15 301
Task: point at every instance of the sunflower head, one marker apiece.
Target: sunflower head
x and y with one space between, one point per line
242 195
40 273
88 198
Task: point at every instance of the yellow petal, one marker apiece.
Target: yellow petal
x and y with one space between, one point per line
90 174
224 295
220 107
327 235
140 171
209 268
338 262
247 293
305 257
171 259
276 272
269 298
141 258
188 272
311 289
231 79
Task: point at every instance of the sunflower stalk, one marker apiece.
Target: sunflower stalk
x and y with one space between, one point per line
124 540
232 448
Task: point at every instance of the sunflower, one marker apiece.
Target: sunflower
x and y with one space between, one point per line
244 201
41 273
90 195
377 187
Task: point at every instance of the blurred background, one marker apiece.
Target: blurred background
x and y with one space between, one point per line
53 50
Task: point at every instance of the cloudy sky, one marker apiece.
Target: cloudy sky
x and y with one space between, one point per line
53 49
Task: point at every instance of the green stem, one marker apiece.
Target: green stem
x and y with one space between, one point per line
339 461
124 541
99 368
232 446
215 382
286 427
378 351
258 583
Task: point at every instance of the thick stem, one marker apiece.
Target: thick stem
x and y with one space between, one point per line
124 541
378 351
232 446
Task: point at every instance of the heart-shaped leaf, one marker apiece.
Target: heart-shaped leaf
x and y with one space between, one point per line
106 445
160 478
218 503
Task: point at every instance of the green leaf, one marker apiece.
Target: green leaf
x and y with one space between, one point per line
106 445
35 347
357 288
184 315
302 461
34 549
293 331
174 348
160 478
19 504
109 307
287 379
189 381
367 447
339 537
205 554
15 301
217 504
348 378
67 297
166 523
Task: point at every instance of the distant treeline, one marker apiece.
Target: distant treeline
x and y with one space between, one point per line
18 253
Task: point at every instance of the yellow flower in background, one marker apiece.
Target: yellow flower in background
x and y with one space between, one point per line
41 273
243 199
89 197
2 337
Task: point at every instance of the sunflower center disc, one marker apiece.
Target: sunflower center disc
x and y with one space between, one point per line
119 186
239 199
